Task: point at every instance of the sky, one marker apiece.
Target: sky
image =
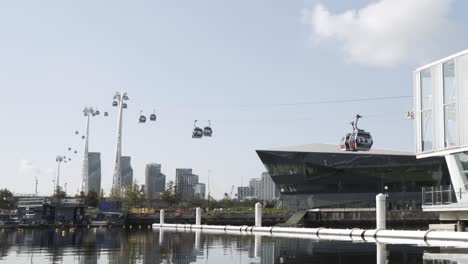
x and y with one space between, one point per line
254 68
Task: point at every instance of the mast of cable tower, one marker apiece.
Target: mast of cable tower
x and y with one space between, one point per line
119 101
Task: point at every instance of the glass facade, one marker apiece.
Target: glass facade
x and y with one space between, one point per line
427 123
450 105
352 179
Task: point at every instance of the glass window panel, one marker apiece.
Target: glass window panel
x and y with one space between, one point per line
451 128
449 82
426 110
450 105
427 130
426 89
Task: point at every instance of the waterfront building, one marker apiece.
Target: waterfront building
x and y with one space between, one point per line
243 192
185 180
263 188
441 113
94 172
126 171
321 175
199 190
155 180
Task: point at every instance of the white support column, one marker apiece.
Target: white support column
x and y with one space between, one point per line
198 216
380 211
117 179
258 214
457 177
161 217
85 169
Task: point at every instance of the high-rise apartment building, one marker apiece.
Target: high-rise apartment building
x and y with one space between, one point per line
94 172
199 190
243 192
126 171
155 180
264 188
185 181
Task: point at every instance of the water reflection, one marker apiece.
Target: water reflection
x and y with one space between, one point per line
147 246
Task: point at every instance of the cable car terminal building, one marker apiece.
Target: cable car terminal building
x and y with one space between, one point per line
433 178
441 115
324 176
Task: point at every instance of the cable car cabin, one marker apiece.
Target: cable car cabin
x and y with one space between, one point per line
124 105
142 119
114 103
197 132
207 131
152 117
344 143
361 141
106 114
97 112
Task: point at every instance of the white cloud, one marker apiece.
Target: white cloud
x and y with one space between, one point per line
387 32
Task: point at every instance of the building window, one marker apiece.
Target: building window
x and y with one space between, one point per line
427 122
450 105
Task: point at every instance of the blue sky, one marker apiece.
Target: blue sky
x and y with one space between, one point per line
229 61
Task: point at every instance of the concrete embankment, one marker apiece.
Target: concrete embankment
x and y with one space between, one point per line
426 238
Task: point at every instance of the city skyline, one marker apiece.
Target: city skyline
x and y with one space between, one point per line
263 78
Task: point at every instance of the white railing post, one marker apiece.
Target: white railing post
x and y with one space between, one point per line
198 216
161 217
380 211
258 214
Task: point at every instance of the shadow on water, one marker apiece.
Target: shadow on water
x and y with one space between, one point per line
153 246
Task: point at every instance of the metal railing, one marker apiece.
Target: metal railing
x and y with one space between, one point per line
439 195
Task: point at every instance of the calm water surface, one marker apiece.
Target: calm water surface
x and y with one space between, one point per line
152 246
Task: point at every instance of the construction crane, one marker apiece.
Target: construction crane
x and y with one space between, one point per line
232 190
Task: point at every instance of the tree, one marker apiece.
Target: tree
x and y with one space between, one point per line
92 199
113 196
134 195
196 202
59 193
169 195
6 199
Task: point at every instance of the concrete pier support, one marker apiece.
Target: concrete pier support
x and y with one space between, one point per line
161 236
381 253
258 246
380 211
161 217
198 216
258 214
197 239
